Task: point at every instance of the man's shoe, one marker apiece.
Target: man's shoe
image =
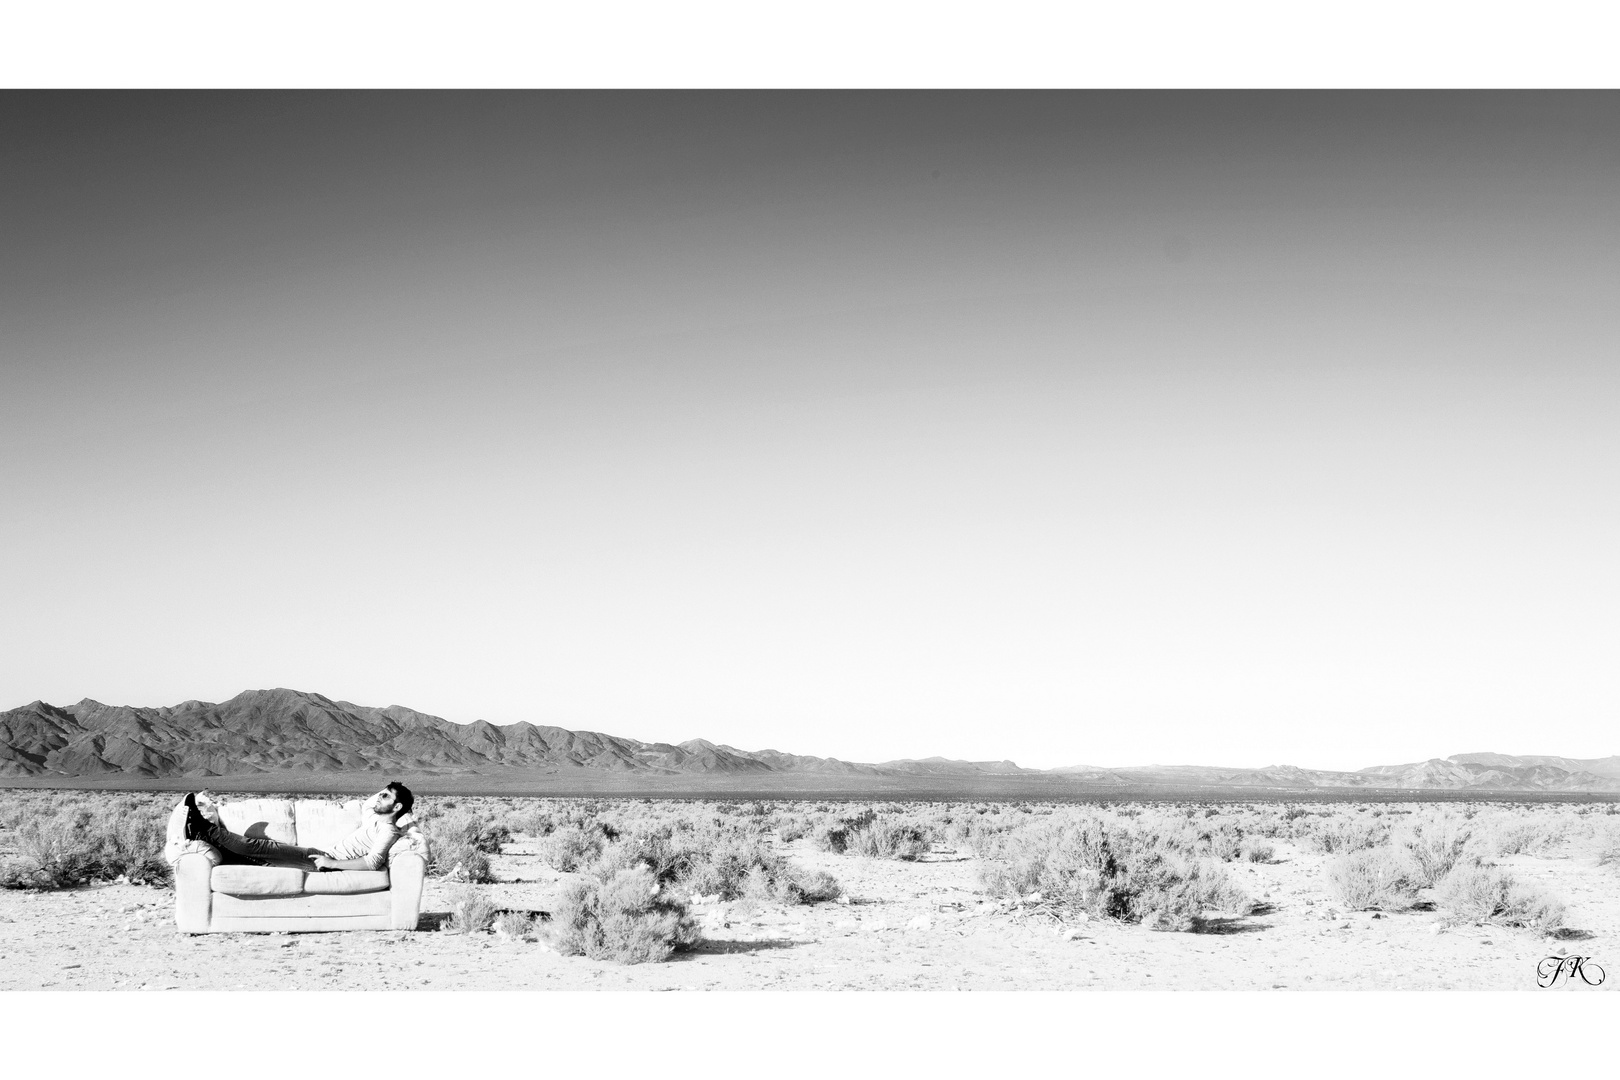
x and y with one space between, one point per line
195 822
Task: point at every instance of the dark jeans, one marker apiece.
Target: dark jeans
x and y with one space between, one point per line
251 849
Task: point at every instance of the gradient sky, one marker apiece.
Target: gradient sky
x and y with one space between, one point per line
1111 428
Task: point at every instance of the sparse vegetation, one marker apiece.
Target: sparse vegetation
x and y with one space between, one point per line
1609 847
1481 894
872 835
1513 834
1258 851
572 847
471 912
630 878
727 863
1116 870
517 925
80 843
460 843
1373 879
1339 836
1432 847
621 914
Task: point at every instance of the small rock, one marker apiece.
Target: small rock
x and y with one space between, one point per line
1437 929
1071 934
1033 898
844 900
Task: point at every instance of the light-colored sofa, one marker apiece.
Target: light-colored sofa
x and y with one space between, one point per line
211 897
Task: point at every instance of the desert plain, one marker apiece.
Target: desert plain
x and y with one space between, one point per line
861 895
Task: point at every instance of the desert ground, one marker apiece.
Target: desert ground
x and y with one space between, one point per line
864 896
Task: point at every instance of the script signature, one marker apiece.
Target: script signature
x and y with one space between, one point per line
1568 968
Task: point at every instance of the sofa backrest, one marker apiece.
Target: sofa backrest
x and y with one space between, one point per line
317 823
322 824
271 819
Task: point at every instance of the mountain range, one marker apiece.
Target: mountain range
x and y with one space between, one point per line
289 732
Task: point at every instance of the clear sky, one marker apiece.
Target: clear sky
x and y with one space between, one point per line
1072 428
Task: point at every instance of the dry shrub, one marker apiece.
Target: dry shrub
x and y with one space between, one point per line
623 915
982 831
1340 836
671 853
1267 824
571 847
1373 879
791 827
1520 835
733 868
468 828
470 912
535 822
1225 844
1115 871
730 863
516 925
1481 894
460 843
878 837
1258 851
80 844
834 836
1609 848
460 862
884 838
1432 847
799 886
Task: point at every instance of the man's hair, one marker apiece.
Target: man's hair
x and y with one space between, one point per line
402 796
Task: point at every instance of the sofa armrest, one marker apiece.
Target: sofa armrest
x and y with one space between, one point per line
193 896
406 874
176 848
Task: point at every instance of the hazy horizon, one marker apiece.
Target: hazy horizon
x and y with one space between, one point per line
1222 428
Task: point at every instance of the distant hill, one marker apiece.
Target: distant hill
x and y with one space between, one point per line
273 732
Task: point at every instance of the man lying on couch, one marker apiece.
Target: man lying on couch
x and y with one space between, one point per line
364 849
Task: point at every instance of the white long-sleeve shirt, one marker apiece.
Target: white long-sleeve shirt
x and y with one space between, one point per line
370 842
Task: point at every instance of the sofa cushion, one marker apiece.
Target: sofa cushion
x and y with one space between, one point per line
236 879
321 824
314 907
269 819
346 882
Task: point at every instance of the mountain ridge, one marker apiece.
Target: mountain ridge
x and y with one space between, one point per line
282 730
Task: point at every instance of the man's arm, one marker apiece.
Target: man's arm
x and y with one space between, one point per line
375 859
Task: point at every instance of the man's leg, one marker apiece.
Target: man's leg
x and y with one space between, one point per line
268 852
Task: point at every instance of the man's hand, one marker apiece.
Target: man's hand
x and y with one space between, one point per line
324 862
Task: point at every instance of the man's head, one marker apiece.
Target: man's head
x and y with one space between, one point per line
393 801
